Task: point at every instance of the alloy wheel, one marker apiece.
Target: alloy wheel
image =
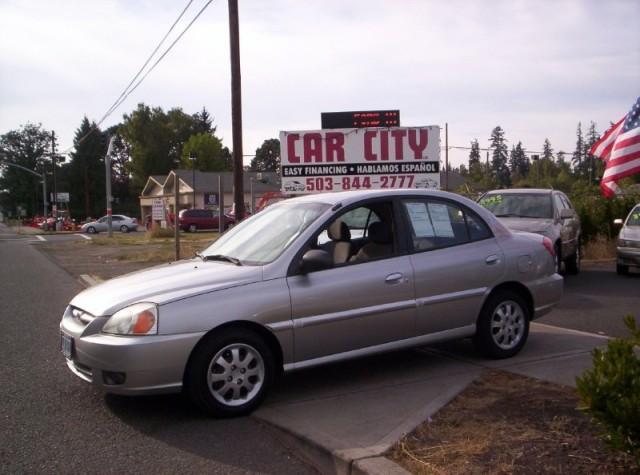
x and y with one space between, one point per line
236 374
507 325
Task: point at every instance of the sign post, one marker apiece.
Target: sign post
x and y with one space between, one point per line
316 161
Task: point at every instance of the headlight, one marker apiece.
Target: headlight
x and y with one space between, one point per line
137 319
624 243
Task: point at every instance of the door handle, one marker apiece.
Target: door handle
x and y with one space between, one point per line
492 259
394 278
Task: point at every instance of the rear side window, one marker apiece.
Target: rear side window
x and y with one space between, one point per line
435 224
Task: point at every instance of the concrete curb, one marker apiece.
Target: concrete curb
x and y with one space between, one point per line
322 452
89 280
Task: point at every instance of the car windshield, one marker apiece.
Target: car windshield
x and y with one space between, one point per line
634 217
518 205
263 237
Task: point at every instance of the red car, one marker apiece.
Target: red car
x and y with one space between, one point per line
194 219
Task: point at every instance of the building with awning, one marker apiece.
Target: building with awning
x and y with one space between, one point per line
204 189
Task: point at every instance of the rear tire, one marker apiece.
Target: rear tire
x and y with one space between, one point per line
622 270
558 258
91 230
573 263
124 229
503 325
230 372
193 228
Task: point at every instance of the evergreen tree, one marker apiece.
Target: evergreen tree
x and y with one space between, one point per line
592 162
577 159
560 157
499 168
203 123
474 154
86 171
267 157
518 162
547 151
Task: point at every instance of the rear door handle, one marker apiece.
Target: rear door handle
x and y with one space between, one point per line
492 259
394 278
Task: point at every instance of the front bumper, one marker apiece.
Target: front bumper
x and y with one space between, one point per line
628 256
150 364
546 292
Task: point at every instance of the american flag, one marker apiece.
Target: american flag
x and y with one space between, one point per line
620 149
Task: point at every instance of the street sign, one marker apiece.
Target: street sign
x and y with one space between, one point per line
62 197
211 199
349 159
157 209
360 119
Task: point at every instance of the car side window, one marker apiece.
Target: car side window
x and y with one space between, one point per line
558 201
103 219
567 203
476 226
434 224
115 217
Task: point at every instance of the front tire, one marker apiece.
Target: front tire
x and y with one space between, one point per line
622 270
503 325
229 373
193 228
573 263
91 230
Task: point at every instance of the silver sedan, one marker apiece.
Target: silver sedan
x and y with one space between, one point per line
628 245
308 281
119 222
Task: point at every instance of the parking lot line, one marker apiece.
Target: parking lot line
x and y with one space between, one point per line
40 237
84 236
576 332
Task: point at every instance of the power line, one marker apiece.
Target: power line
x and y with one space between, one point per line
126 93
114 105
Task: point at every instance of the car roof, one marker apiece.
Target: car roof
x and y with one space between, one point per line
347 197
531 191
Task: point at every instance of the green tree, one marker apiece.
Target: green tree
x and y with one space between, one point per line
209 153
499 168
578 158
267 156
203 123
87 171
26 147
518 163
547 151
591 162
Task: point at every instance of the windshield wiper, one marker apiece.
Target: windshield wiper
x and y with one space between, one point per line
219 257
509 215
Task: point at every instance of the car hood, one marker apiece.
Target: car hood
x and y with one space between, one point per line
530 225
631 233
163 284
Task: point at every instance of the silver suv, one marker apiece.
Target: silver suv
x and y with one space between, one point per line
546 212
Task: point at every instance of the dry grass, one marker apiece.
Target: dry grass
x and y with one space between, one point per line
600 248
505 423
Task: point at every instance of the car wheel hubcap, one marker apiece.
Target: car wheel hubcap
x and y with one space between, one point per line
235 374
507 325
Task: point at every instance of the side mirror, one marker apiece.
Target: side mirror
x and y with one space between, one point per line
315 260
567 213
617 222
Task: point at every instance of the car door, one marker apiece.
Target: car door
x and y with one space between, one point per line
455 260
356 304
102 224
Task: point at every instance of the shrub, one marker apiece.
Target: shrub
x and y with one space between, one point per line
158 232
610 391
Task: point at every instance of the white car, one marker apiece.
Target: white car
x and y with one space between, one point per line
294 186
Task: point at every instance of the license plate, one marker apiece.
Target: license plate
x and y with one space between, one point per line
66 345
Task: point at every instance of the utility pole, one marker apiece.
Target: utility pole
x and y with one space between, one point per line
446 156
176 223
236 111
54 205
107 166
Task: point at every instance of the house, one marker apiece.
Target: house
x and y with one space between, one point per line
205 189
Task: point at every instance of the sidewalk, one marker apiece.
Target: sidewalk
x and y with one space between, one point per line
343 417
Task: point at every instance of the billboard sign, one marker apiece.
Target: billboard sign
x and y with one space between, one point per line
316 161
347 120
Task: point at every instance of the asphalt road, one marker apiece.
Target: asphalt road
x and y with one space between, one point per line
597 299
53 422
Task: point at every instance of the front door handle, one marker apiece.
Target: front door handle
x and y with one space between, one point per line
394 278
492 259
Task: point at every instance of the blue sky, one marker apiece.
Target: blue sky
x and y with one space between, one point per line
534 67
